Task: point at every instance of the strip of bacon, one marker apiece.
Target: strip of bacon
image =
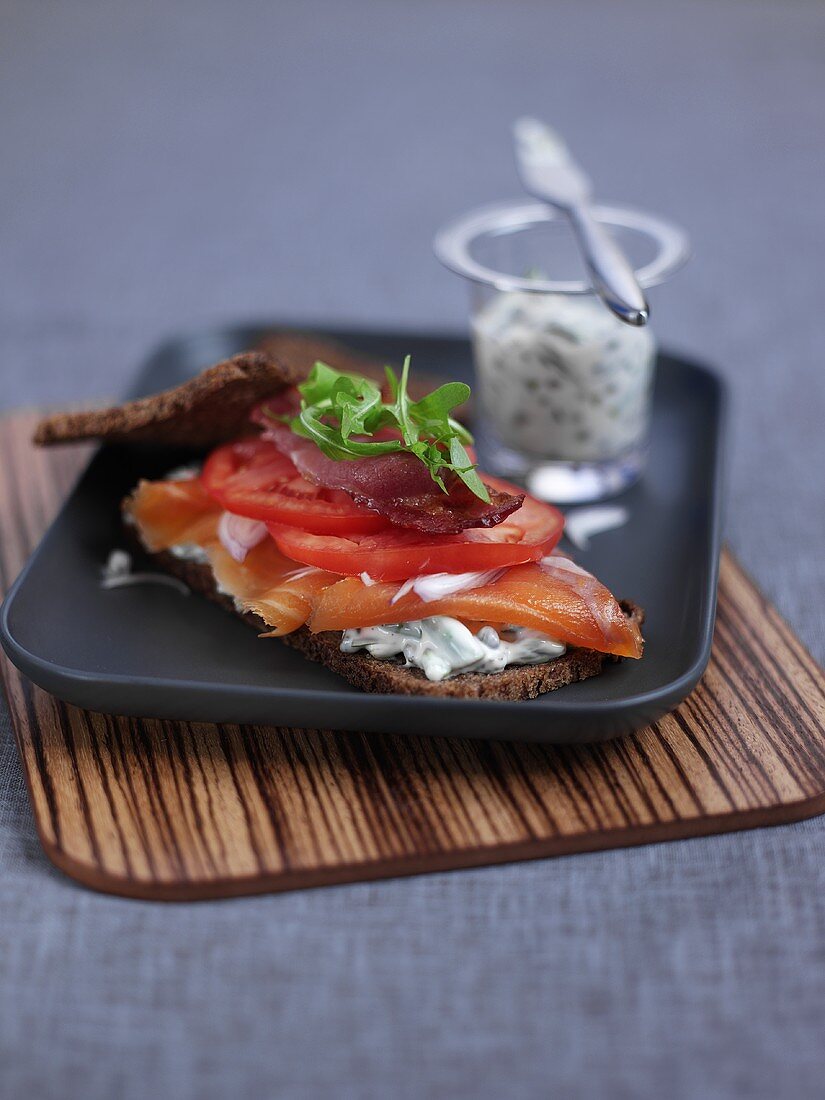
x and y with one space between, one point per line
397 486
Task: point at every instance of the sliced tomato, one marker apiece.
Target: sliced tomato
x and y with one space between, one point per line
253 478
396 554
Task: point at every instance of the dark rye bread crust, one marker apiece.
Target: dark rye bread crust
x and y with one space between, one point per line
388 677
301 350
214 406
203 411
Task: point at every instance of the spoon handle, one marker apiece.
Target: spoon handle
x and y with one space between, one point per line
612 276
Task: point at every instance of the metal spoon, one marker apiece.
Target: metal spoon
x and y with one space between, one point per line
549 172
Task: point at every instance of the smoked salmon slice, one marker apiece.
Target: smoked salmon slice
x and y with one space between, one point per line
279 590
171 513
555 596
181 513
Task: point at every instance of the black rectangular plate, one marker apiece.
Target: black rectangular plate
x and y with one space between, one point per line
150 652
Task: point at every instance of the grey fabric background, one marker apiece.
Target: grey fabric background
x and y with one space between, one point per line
167 166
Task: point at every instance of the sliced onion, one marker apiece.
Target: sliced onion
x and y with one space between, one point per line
117 573
581 524
238 534
435 586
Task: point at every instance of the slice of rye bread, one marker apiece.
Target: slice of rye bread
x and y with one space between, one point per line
206 410
302 350
388 677
214 406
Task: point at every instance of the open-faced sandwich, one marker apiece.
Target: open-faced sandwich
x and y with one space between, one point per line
337 512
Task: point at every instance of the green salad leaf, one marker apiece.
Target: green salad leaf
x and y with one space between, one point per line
340 412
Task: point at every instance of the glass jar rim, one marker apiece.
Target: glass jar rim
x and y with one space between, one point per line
452 244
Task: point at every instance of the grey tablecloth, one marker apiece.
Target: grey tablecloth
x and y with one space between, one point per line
169 166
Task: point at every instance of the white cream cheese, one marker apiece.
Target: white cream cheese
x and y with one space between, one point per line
190 551
442 646
562 378
184 473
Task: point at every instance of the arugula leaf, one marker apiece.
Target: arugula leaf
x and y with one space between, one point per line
320 383
340 412
356 403
465 469
440 403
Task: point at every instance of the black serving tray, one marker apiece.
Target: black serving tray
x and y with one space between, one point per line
150 652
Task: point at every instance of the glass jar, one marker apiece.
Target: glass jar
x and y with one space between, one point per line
563 387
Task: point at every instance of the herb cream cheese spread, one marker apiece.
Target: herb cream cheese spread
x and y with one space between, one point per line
562 378
442 646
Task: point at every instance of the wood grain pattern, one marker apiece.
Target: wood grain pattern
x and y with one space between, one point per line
175 810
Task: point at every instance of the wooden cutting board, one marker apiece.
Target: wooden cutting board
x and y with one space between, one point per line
173 810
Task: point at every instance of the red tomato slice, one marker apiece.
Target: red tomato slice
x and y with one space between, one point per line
396 554
253 478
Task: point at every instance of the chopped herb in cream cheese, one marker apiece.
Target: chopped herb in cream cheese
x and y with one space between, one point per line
442 646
